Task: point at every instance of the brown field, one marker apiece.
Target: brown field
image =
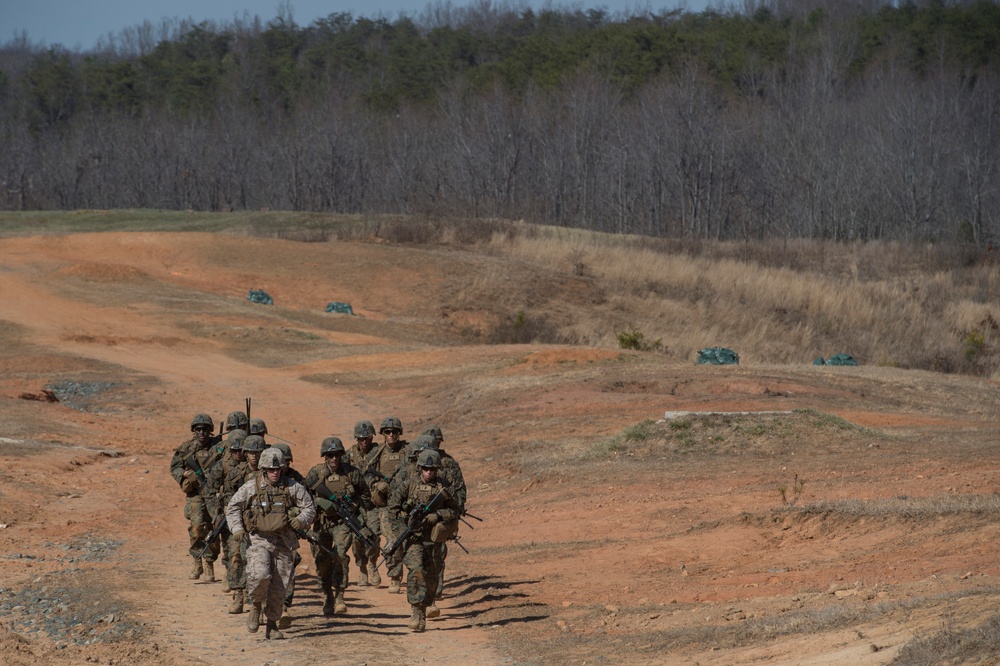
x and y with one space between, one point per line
793 514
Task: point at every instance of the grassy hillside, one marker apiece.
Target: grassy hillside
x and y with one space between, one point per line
933 307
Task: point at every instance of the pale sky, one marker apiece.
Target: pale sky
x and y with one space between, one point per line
77 24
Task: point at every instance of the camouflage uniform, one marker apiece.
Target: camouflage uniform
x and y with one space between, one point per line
347 483
366 558
385 462
236 576
451 469
261 507
196 467
233 458
294 475
418 549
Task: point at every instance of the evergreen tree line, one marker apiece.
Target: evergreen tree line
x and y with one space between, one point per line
777 119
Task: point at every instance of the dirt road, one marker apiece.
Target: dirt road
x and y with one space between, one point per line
607 537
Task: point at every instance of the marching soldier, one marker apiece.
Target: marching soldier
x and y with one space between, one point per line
196 467
423 504
260 511
335 481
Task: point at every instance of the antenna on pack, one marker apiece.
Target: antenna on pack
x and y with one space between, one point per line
248 410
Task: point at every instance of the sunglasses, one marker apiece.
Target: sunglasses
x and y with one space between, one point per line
202 429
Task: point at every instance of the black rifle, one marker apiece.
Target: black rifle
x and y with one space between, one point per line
414 522
377 475
459 543
219 526
461 517
308 536
343 509
191 462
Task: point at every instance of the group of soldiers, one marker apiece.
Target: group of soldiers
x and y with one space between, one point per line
247 504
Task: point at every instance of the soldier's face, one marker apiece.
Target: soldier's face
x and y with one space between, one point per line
428 474
238 455
202 432
273 475
252 458
364 443
392 436
333 460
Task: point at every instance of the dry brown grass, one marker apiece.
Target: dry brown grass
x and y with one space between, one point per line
884 304
932 307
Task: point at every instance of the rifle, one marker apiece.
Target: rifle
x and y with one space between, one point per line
220 525
414 522
191 462
459 543
308 536
378 476
343 509
461 517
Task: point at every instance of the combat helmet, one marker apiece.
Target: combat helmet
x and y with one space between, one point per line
254 444
235 439
411 451
434 431
426 442
237 421
429 458
202 420
390 423
364 429
286 451
257 427
272 458
331 445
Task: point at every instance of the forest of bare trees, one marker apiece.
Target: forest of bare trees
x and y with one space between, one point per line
772 120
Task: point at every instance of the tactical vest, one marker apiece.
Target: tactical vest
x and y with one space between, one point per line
420 494
340 484
267 510
207 458
390 460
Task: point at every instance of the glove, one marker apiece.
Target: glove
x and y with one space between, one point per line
190 485
296 524
432 518
239 536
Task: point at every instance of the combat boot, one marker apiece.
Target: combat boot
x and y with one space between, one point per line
253 621
209 571
394 584
418 620
373 576
432 611
285 620
339 607
225 585
271 632
328 608
196 571
236 607
362 577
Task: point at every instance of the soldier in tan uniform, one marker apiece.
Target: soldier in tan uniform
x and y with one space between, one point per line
253 446
260 511
196 466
